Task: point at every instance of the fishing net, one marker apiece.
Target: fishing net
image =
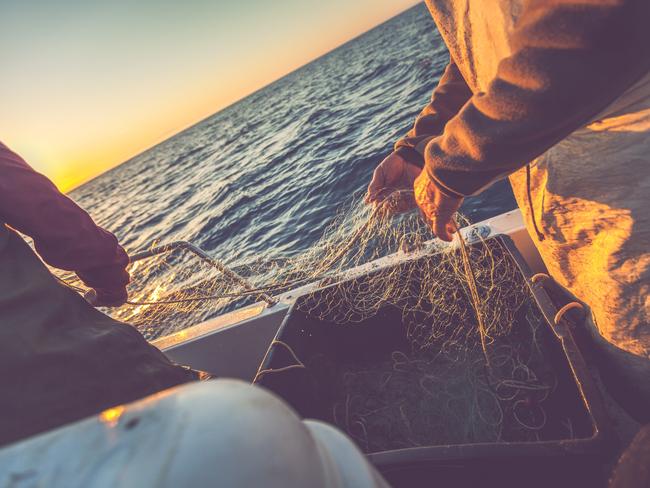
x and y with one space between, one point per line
177 289
440 383
403 356
463 375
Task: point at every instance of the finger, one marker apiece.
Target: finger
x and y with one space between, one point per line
423 216
109 302
430 221
398 203
407 202
439 223
110 299
91 297
427 209
375 186
442 227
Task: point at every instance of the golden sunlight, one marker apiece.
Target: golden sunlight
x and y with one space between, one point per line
112 415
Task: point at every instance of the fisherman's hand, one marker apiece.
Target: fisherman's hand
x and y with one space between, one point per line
103 298
392 185
438 208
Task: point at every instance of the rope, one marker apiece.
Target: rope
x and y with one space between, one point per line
299 364
361 230
569 306
320 273
540 277
70 285
540 236
473 288
242 294
163 302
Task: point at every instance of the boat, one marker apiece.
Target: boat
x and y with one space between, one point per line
232 345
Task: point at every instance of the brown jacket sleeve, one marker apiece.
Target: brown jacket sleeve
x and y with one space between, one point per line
447 99
570 59
64 235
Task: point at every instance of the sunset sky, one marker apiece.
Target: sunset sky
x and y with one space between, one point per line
87 84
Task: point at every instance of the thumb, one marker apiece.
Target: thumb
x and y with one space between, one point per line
375 186
91 297
102 298
442 228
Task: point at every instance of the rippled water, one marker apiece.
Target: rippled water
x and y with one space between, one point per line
267 174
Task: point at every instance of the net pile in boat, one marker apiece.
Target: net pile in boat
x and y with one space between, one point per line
458 311
456 372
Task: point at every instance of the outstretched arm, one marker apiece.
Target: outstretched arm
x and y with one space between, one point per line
64 235
570 59
447 99
399 170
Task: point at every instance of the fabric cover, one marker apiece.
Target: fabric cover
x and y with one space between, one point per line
60 359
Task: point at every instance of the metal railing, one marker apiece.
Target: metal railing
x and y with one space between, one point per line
215 263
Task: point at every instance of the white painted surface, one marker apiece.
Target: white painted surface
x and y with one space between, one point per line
222 433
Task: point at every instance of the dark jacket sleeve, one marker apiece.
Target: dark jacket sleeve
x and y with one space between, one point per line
570 59
447 99
64 235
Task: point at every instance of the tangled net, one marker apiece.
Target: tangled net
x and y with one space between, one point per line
466 373
446 393
175 290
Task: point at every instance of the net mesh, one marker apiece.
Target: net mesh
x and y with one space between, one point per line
177 289
464 371
449 384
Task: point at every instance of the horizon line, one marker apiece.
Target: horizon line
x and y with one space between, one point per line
241 99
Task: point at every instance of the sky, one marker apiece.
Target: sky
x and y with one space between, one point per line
87 84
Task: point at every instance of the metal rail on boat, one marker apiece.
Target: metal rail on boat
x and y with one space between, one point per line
215 263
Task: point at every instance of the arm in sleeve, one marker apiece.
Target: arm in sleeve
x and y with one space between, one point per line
570 59
64 235
449 96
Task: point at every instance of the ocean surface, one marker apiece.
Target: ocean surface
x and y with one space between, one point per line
267 174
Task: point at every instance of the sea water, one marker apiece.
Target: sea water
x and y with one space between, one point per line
267 174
